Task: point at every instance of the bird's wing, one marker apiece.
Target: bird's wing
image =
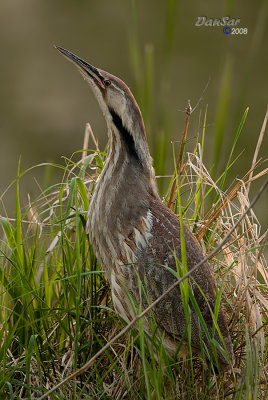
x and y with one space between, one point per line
152 263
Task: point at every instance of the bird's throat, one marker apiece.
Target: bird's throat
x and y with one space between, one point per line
126 137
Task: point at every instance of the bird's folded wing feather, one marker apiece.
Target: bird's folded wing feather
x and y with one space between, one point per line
152 266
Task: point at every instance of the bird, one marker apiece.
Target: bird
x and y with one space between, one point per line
136 238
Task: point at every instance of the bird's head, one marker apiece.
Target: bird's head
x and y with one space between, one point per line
119 108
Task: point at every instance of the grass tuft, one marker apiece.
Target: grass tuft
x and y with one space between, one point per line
56 311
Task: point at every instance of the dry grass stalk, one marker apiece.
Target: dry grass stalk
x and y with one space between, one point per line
171 200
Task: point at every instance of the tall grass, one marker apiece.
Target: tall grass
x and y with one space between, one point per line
56 310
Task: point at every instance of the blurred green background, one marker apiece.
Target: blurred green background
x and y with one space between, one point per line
155 47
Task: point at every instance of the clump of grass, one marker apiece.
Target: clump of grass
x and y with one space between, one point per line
56 311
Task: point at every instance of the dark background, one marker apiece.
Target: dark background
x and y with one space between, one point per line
45 104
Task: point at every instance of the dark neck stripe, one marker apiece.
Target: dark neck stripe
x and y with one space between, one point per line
125 135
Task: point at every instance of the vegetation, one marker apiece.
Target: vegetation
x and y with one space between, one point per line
56 310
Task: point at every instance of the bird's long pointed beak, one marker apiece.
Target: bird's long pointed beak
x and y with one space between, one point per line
86 69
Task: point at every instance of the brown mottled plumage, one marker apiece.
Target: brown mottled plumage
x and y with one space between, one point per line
133 234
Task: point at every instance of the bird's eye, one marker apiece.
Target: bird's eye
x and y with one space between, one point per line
107 82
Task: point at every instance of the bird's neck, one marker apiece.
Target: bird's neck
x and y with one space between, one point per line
130 163
121 199
125 186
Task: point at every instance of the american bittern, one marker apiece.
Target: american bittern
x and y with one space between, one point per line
134 235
